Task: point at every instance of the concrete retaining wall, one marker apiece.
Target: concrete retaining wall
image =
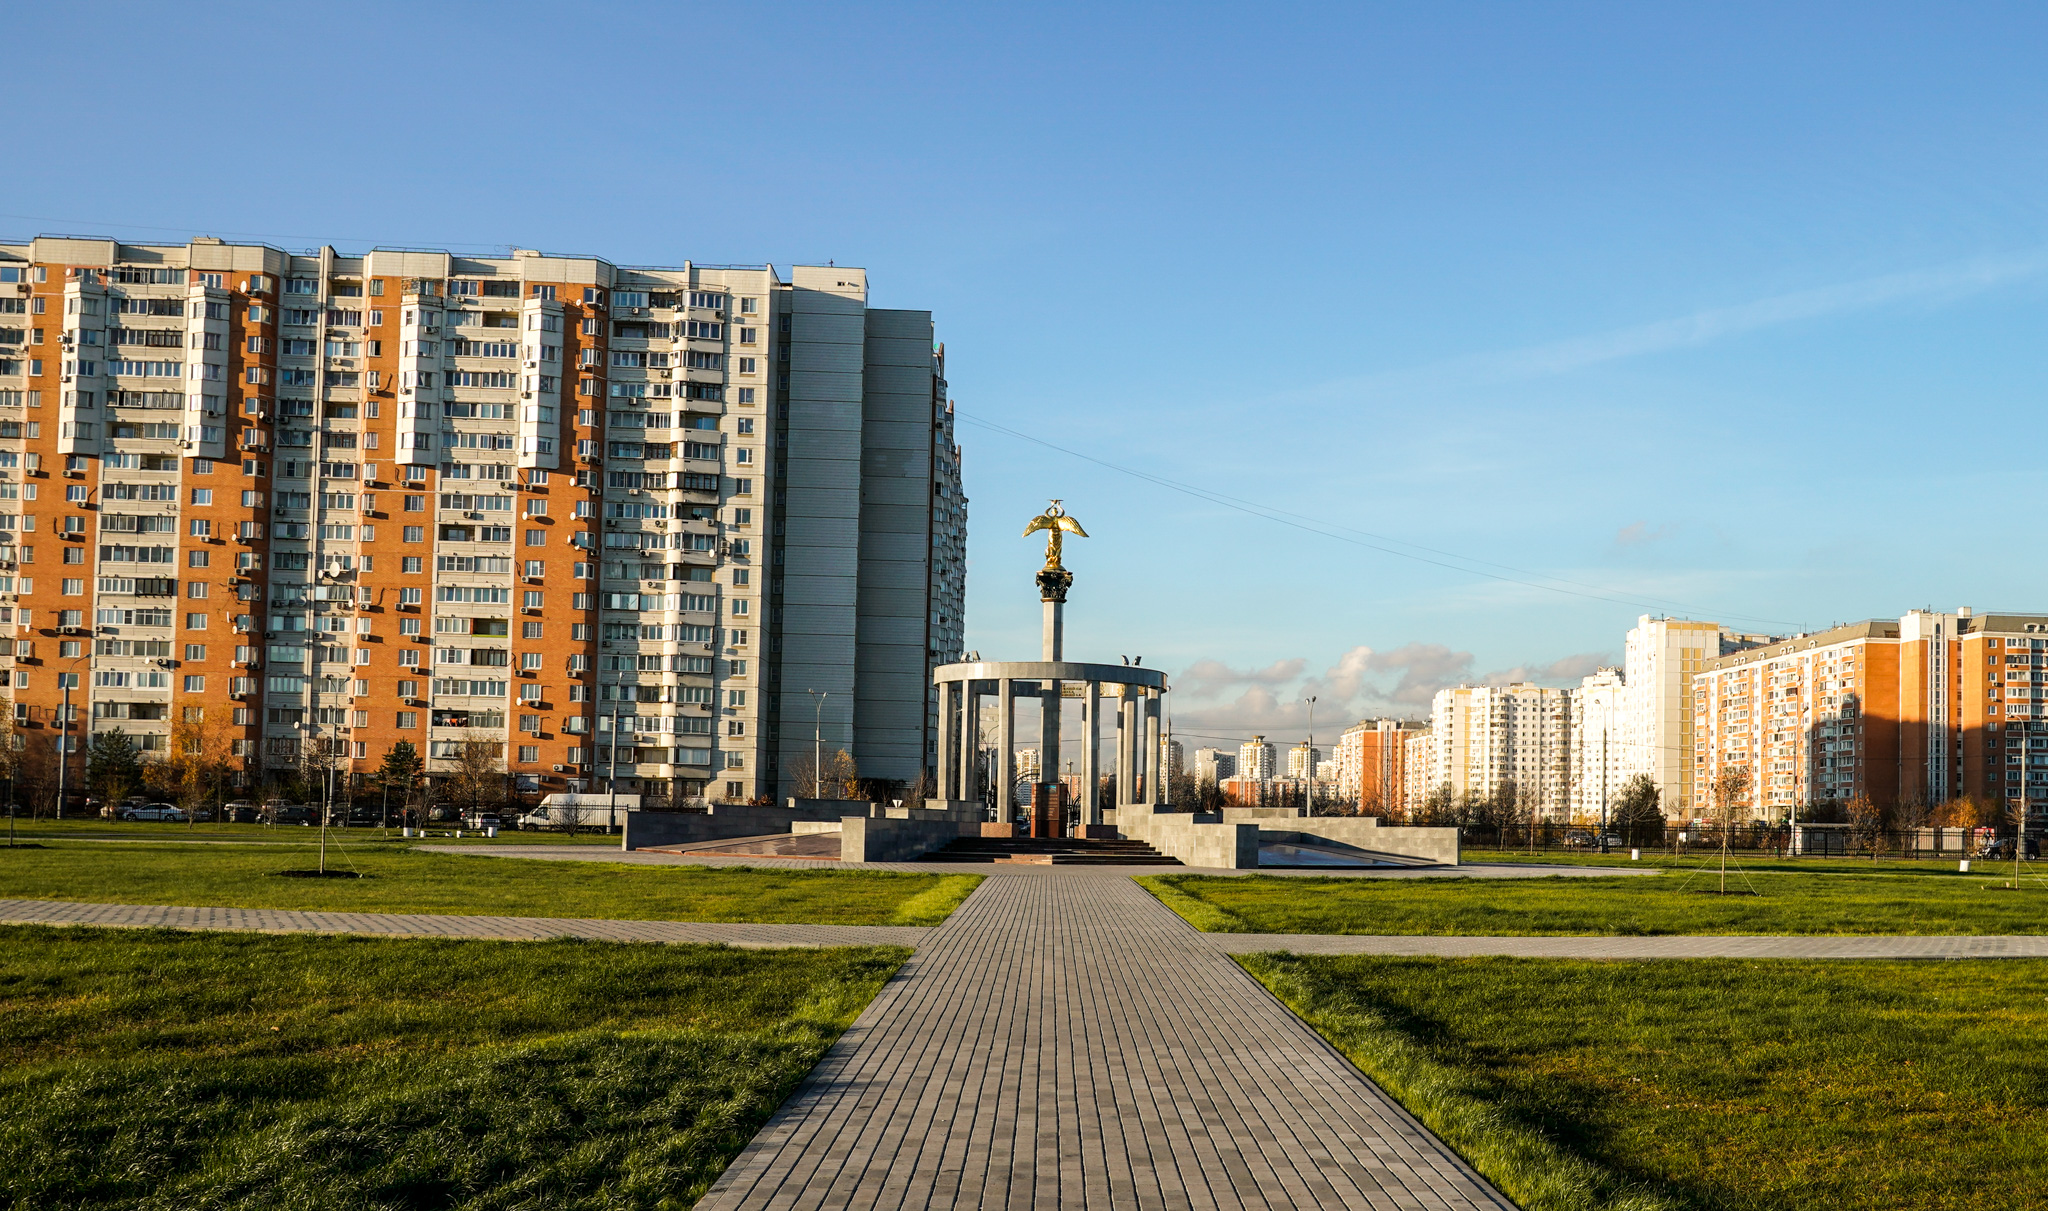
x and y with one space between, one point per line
892 839
1194 840
648 829
1439 846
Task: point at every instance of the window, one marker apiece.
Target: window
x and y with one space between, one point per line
530 630
529 753
410 563
195 683
408 719
536 538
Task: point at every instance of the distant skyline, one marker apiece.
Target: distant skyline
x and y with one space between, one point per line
1590 311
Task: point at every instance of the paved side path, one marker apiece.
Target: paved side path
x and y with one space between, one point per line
1070 1043
423 925
1897 947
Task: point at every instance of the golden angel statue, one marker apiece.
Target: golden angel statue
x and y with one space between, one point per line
1055 522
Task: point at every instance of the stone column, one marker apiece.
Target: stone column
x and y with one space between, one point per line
1049 760
970 741
1124 722
1091 802
1006 748
949 692
1153 765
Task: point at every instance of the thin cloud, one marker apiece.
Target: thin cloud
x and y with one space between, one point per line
1946 283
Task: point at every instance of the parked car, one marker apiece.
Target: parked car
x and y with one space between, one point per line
442 813
154 811
290 813
480 820
359 815
240 811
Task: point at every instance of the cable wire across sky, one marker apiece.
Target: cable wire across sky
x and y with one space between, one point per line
1376 542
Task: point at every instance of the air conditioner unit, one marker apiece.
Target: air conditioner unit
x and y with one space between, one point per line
561 769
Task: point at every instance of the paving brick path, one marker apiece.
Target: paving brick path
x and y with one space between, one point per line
1069 1042
425 925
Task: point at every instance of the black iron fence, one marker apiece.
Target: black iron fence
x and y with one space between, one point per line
1776 840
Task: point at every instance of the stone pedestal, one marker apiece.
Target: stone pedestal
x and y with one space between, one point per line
1048 809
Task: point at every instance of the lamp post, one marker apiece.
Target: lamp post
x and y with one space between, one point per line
1308 759
818 743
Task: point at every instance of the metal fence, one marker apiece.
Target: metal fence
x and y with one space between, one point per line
1754 838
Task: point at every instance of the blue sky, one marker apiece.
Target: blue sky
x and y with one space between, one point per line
1734 312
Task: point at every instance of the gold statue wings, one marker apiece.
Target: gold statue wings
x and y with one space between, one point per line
1056 523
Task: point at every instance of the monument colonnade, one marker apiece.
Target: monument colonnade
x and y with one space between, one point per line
1136 763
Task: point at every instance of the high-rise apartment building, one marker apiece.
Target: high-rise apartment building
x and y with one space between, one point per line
1490 736
1662 654
1418 769
1256 760
650 521
1369 765
1928 708
1599 758
1303 761
1214 765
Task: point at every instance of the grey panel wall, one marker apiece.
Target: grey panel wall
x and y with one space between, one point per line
895 535
821 547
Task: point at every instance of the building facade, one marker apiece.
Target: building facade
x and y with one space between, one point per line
1370 768
611 520
1599 757
1922 710
1257 760
1490 736
1214 765
1661 657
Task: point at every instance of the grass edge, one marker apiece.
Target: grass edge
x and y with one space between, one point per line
1518 1160
1200 913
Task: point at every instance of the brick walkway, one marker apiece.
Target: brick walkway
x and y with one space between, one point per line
423 925
1069 1042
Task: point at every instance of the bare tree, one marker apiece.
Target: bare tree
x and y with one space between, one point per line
1635 812
1731 786
1867 821
478 776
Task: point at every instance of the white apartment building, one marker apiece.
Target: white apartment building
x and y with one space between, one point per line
1214 765
1418 768
1257 760
1303 761
1489 735
1662 657
1599 758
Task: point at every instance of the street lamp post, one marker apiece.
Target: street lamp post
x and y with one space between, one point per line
818 743
1308 759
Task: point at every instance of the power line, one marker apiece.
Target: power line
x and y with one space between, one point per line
1325 529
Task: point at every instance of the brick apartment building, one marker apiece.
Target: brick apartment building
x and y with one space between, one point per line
1924 709
343 501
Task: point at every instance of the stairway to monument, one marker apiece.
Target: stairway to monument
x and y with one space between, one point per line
1051 851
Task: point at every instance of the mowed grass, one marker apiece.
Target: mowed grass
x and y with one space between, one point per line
1670 903
1697 859
70 829
174 1070
409 880
1698 1084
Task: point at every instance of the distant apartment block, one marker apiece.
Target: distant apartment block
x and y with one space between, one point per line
1370 768
1930 707
1599 753
1214 765
1490 736
613 519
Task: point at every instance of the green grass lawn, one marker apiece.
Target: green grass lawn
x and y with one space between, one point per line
290 834
409 880
1754 863
1707 1084
1670 903
169 1070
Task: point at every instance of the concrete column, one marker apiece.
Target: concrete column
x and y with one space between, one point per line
1049 731
1052 636
1152 762
1091 803
1006 748
949 692
1124 727
970 740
